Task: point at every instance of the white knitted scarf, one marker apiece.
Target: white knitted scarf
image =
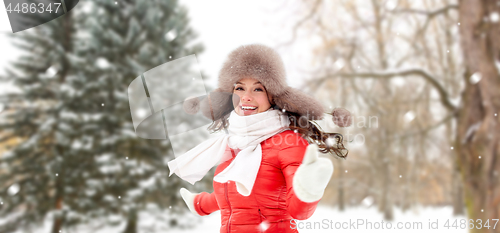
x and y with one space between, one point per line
244 133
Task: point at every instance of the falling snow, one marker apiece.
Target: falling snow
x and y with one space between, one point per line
409 116
141 112
330 141
475 78
264 225
13 189
367 201
51 71
391 5
171 35
102 63
494 17
339 64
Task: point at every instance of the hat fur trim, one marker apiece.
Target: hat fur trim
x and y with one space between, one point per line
254 61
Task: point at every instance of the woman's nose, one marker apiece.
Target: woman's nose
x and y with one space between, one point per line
247 96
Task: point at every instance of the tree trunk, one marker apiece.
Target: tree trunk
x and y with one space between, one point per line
341 187
387 202
458 190
58 219
59 197
478 129
66 42
59 216
131 222
385 205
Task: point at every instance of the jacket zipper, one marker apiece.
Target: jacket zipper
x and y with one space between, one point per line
262 219
230 209
261 216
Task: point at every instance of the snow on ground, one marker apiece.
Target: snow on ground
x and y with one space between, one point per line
320 221
325 219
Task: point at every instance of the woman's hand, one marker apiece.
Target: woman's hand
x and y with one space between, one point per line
189 199
312 176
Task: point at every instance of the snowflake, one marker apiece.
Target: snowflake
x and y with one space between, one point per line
475 78
494 17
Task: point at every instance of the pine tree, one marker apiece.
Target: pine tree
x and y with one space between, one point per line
79 159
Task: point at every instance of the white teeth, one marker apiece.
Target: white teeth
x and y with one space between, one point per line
248 108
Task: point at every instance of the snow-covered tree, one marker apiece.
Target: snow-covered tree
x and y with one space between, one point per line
79 159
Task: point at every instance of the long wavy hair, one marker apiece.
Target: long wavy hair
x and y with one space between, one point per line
331 143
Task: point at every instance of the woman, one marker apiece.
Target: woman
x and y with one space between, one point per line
268 174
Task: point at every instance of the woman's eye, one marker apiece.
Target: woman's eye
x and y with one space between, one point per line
257 89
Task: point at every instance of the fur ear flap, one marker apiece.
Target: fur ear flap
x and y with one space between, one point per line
217 104
191 105
294 100
341 117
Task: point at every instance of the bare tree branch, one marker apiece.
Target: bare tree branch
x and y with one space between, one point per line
431 14
391 74
302 21
426 130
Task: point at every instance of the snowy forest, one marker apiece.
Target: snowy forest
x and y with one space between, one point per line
421 79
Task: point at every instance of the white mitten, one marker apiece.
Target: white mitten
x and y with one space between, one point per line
189 199
312 176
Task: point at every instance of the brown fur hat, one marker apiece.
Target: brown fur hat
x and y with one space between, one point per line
256 61
264 64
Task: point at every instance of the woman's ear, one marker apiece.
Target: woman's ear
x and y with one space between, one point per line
270 99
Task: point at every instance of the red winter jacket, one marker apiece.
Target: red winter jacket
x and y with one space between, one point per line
272 201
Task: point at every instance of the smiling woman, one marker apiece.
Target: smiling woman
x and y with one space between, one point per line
267 173
253 97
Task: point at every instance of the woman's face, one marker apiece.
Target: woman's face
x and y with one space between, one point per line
253 97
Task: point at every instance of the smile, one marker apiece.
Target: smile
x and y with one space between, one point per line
248 108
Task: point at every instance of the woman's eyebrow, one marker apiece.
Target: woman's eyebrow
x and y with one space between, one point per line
244 84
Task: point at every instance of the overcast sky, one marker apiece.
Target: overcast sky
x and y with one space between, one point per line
222 25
